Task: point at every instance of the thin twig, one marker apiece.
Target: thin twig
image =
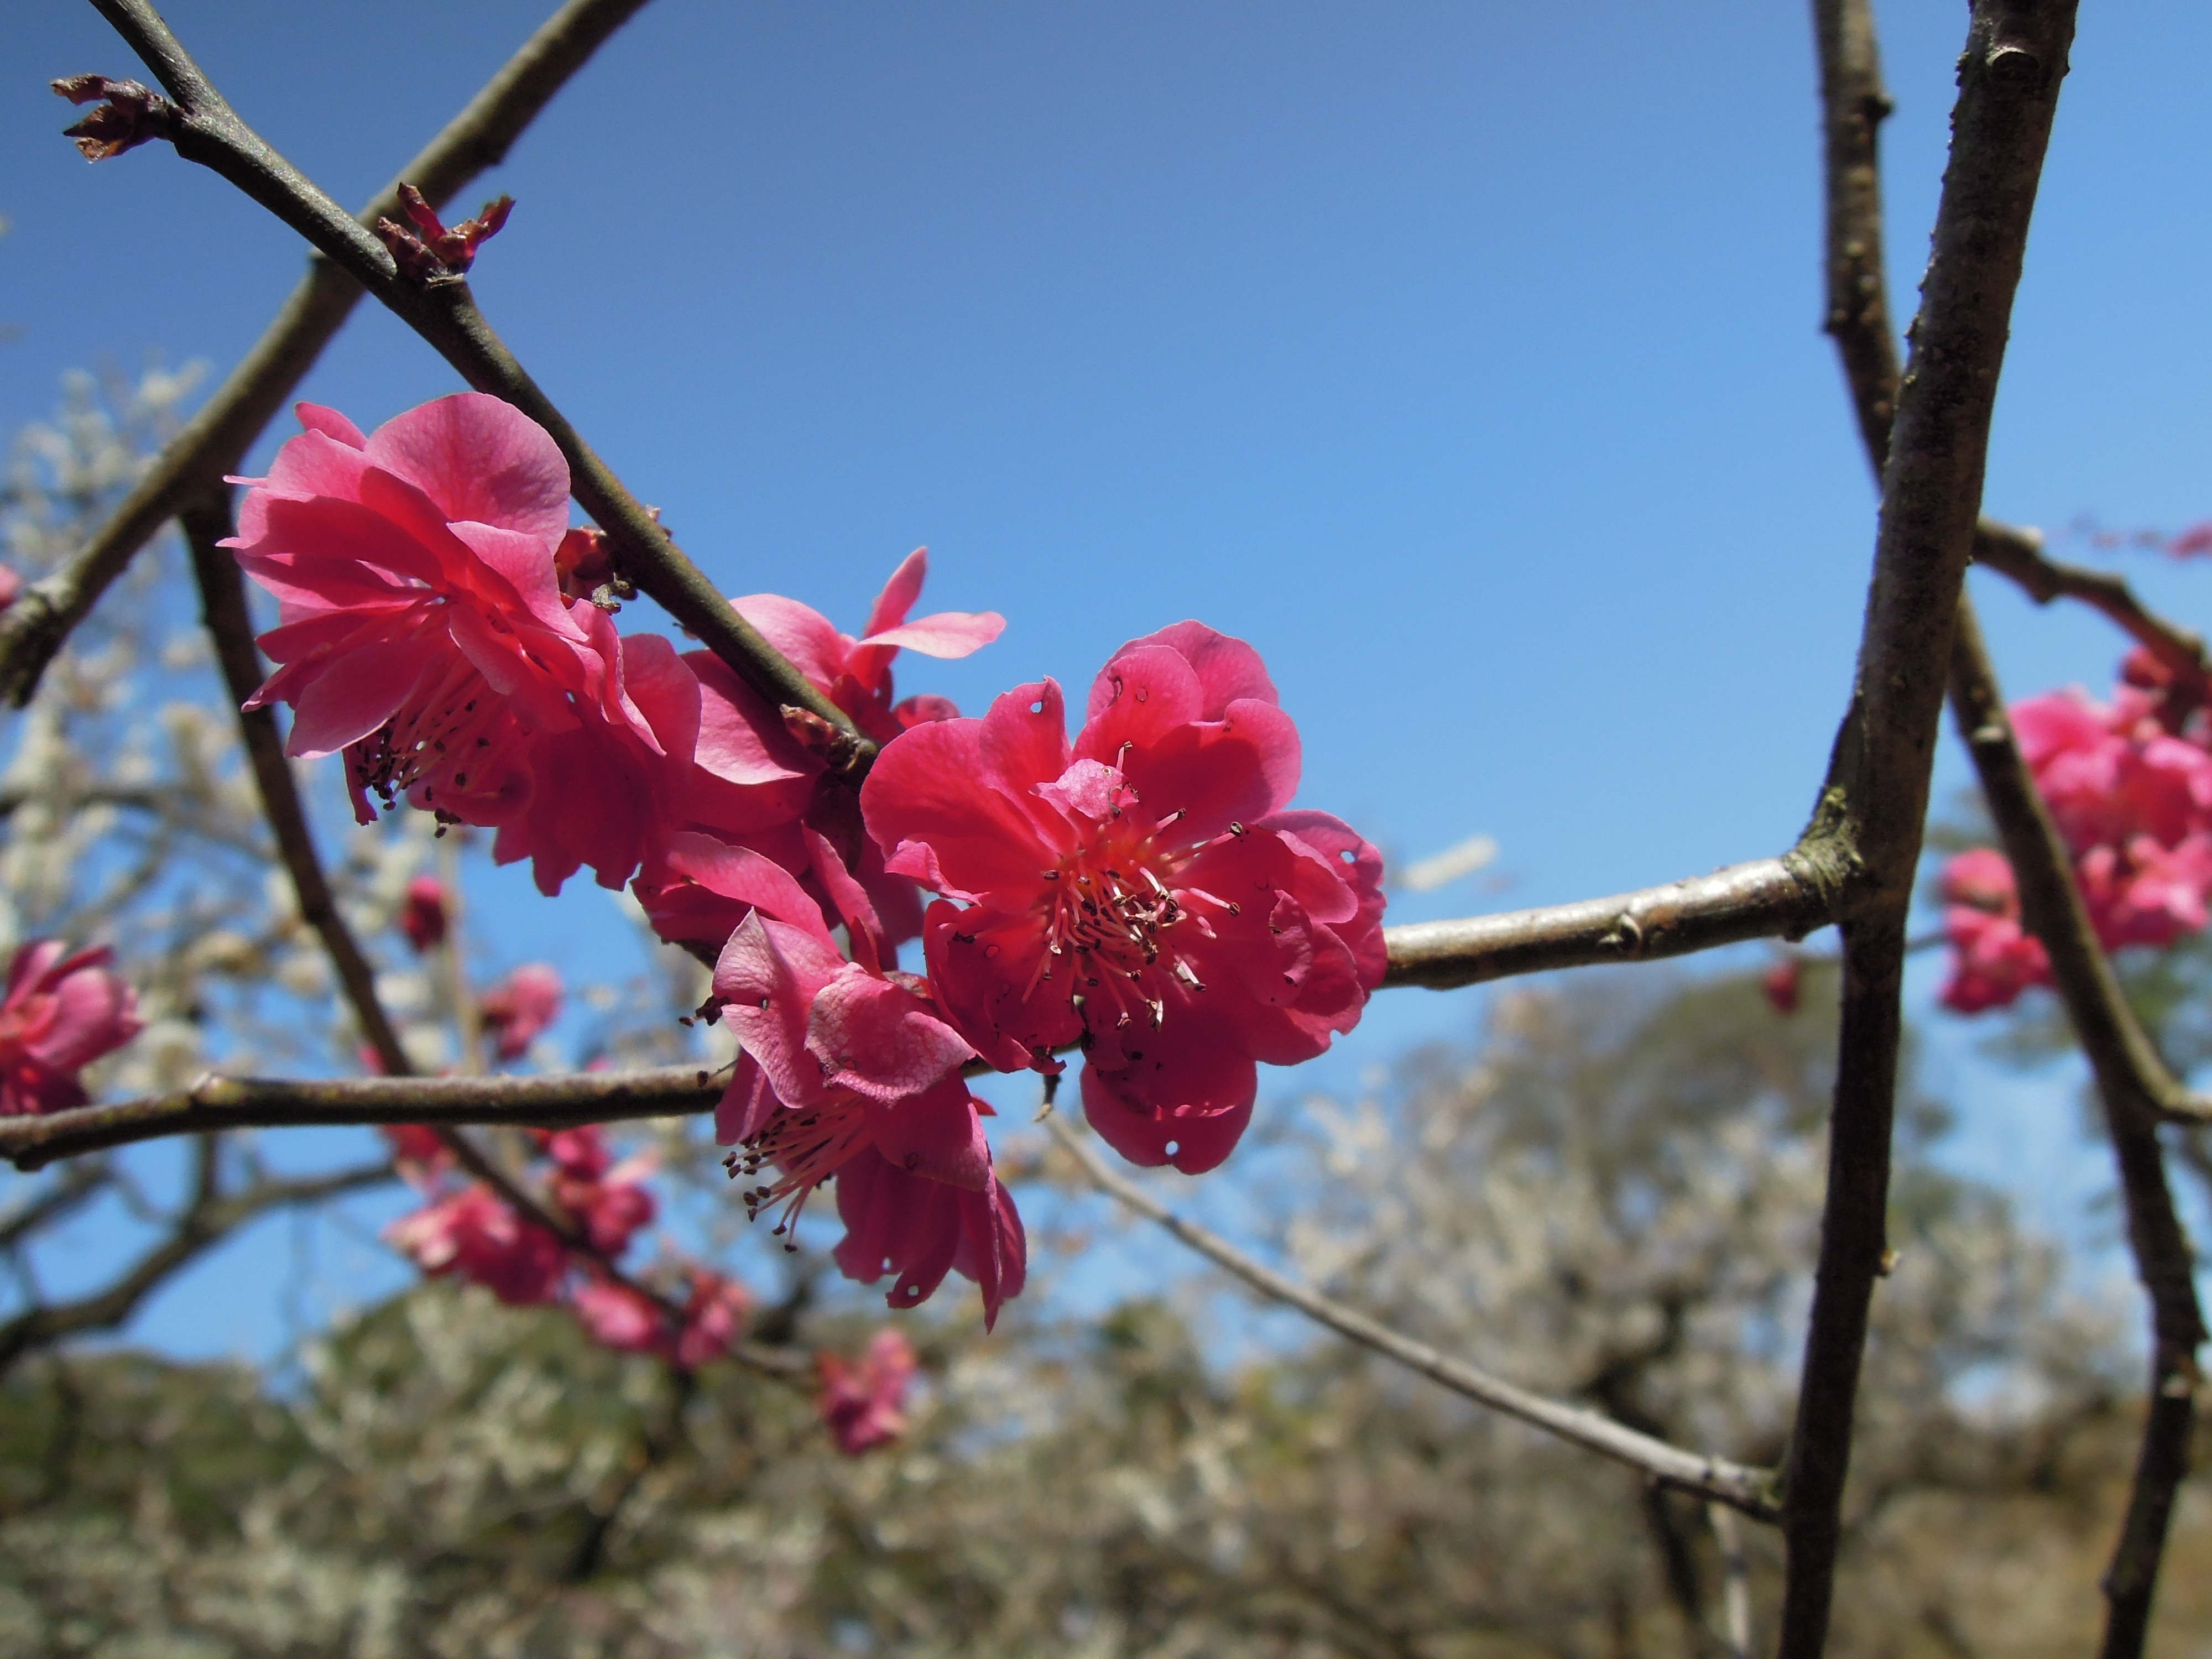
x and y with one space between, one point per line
2017 554
1715 1478
216 438
203 128
208 1217
227 1102
207 522
1736 1581
2135 1087
1879 775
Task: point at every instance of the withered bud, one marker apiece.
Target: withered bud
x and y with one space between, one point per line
416 262
817 736
131 114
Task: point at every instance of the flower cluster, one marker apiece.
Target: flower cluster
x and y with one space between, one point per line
470 1232
61 1013
863 1403
2129 787
1143 892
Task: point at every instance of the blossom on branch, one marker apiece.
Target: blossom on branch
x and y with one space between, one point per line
61 1013
473 1234
864 1403
422 918
1994 958
1142 894
423 633
848 1072
754 783
516 1011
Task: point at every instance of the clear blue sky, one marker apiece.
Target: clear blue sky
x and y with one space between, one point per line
1465 359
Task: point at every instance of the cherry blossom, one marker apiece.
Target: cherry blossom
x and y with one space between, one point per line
516 1011
423 632
848 1071
473 1234
1143 893
864 1404
61 1013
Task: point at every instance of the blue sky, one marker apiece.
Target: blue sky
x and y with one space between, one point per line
1463 358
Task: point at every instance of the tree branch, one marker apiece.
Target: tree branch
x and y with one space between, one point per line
1715 1478
2017 554
204 128
1878 780
208 1217
215 439
1786 897
2135 1088
225 1103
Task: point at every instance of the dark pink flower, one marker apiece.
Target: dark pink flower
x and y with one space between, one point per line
417 1148
753 784
1781 984
514 1012
608 1203
1142 894
713 1313
422 918
474 1235
61 1013
424 631
864 1405
848 1071
1993 958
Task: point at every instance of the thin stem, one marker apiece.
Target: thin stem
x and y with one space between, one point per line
227 1102
207 130
207 523
1736 1581
216 438
2135 1087
1714 1477
2017 555
1878 780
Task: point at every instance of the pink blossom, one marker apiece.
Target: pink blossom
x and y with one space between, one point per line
417 1148
474 1235
514 1012
864 1405
1780 985
11 585
61 1013
713 1316
1142 894
422 918
1993 958
754 784
608 1203
424 631
616 1316
848 1071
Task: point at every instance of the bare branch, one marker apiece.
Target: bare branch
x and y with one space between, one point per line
224 1102
1714 1477
2135 1088
2017 554
207 522
440 308
1878 781
1786 897
78 1186
208 1217
215 439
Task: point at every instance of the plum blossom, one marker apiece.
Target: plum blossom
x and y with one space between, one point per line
848 1071
864 1404
423 917
1781 984
753 784
61 1013
423 632
516 1011
473 1234
1994 958
608 1200
625 1318
1143 894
